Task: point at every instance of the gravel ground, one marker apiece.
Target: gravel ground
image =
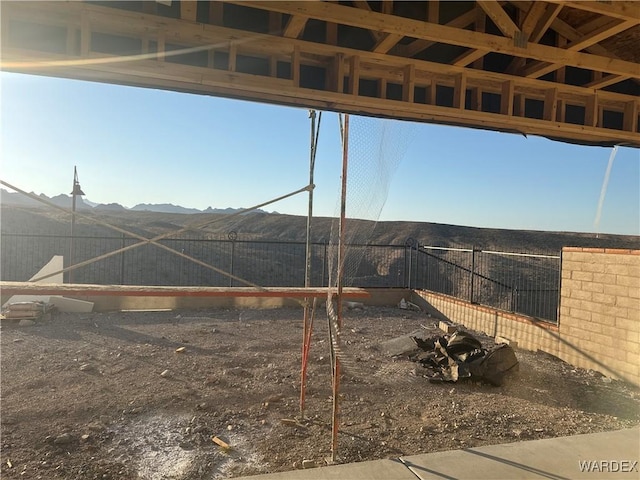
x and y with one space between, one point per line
114 396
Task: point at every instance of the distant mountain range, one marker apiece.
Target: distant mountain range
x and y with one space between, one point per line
65 201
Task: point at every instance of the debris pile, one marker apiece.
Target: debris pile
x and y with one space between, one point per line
449 358
35 310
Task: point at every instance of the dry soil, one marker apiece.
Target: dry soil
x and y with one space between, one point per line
115 396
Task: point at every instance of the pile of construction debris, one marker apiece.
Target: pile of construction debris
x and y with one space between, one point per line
35 311
449 358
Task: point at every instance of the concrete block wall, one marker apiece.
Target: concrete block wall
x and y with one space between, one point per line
600 311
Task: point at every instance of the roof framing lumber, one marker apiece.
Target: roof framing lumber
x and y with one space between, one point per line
493 9
444 34
373 78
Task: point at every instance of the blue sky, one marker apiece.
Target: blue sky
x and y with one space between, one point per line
134 145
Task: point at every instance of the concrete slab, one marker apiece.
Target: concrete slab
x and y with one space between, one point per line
606 455
374 470
555 458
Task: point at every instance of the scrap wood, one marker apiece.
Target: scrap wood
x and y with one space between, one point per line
220 443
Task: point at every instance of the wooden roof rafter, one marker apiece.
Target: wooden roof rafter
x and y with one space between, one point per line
392 66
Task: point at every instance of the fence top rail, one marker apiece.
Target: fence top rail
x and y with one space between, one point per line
534 255
448 249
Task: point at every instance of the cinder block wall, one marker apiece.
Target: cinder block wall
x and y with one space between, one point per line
600 311
599 318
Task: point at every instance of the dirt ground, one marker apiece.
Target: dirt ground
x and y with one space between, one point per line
107 396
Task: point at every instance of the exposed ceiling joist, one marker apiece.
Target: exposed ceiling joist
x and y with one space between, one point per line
444 34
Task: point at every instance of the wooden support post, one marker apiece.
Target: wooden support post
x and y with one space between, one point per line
216 13
338 68
432 92
630 122
506 98
233 55
332 33
408 88
591 111
211 55
275 23
273 66
519 105
85 36
551 104
382 88
160 49
295 66
188 10
476 99
460 91
354 75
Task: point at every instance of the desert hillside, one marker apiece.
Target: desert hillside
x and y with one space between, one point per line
277 227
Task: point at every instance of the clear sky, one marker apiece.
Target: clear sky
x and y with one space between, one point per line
134 145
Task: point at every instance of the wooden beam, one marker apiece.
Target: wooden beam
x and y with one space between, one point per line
550 104
364 5
605 81
371 20
387 7
233 56
591 111
354 75
295 67
626 10
339 75
188 10
419 45
601 34
382 88
275 21
502 20
193 79
432 92
480 26
433 11
545 22
386 43
507 98
26 288
469 57
131 24
216 12
460 91
532 17
630 122
409 85
295 26
537 70
332 34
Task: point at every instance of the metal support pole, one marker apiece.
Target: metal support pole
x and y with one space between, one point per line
76 190
341 261
473 272
308 311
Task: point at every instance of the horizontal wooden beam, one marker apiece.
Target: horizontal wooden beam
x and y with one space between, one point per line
203 80
26 288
